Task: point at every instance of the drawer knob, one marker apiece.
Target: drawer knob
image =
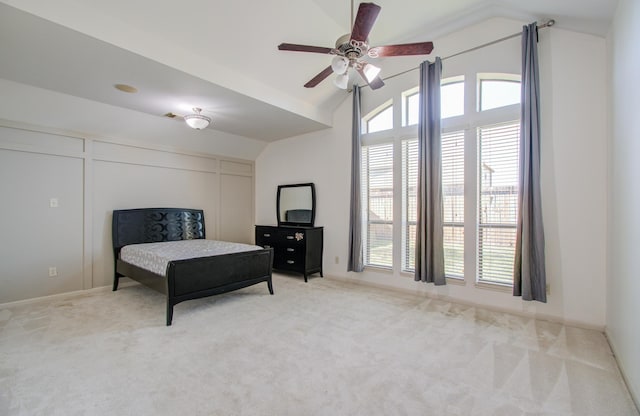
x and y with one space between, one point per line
290 250
290 237
290 261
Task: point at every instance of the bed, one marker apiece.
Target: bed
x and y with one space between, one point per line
189 278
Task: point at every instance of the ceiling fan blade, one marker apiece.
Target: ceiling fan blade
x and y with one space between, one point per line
366 17
419 48
302 48
375 83
319 78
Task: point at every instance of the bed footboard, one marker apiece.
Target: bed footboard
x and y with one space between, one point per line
206 276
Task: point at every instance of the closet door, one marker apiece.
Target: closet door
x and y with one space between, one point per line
236 209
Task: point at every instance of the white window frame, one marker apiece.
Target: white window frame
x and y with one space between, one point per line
366 210
396 135
469 122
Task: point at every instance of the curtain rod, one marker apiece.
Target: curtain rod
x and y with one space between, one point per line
549 23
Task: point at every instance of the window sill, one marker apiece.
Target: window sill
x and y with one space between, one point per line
497 287
450 280
455 281
379 269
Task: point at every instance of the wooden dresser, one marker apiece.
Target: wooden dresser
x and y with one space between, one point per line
296 249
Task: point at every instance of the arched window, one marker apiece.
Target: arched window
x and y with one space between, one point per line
452 97
480 141
379 119
497 90
488 135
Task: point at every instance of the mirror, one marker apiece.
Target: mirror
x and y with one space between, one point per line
296 205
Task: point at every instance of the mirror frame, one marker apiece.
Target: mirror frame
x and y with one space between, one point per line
313 205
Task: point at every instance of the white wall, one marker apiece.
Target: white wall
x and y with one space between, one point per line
323 158
90 176
623 308
35 237
573 74
574 172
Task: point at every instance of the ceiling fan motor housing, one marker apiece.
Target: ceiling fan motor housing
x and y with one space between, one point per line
351 49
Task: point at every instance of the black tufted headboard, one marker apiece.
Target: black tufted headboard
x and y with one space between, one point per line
151 225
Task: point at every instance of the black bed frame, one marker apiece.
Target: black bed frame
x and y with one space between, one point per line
186 279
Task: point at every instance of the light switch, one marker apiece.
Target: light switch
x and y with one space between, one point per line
53 203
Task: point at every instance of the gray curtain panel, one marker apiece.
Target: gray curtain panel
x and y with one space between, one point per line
529 278
429 241
355 220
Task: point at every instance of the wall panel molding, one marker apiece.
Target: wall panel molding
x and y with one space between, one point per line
38 142
119 153
114 174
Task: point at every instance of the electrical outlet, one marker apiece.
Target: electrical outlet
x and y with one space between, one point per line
548 288
53 272
337 260
53 203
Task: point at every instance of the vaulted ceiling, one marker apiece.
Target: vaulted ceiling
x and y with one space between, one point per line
222 56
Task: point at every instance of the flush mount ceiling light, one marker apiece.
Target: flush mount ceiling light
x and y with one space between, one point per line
197 121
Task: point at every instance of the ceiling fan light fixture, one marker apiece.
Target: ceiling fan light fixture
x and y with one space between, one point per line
341 81
197 121
339 64
351 47
370 72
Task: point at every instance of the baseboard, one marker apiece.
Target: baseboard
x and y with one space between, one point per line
633 394
63 295
543 317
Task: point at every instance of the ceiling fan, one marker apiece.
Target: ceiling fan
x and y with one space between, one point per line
351 48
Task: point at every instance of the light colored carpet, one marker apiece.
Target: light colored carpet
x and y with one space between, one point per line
320 348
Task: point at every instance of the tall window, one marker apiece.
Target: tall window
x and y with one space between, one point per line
453 203
389 179
377 188
497 171
409 202
480 139
498 202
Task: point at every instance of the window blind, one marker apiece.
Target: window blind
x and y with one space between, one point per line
377 181
409 203
498 148
453 203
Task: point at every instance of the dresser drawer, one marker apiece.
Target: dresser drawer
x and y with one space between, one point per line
290 252
290 261
292 237
266 236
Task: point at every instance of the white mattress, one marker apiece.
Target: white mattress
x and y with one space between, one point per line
156 256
